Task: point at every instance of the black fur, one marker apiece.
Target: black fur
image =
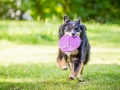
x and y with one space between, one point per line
84 48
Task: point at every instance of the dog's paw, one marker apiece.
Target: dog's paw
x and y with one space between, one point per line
65 67
71 77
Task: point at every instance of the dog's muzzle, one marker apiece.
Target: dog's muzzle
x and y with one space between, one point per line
72 34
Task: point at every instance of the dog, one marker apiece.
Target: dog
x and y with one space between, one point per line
76 59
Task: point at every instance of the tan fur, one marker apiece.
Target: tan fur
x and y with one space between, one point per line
78 33
75 52
80 70
62 63
66 33
80 73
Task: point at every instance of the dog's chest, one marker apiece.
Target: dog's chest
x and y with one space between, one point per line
75 52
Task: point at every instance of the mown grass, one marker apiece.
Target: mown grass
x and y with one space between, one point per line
47 33
28 52
104 35
48 77
29 32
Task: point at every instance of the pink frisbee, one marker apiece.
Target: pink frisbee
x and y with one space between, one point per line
68 43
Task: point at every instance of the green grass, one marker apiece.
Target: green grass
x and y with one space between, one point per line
29 32
48 77
106 35
47 33
28 52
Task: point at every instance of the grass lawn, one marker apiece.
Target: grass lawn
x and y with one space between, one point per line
28 53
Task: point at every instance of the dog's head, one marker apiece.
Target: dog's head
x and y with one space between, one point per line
72 28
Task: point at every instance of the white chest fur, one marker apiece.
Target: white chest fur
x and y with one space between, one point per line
72 53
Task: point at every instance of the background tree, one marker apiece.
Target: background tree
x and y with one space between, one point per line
89 10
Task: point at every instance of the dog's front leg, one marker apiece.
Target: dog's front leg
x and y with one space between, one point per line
80 69
82 59
76 71
73 64
72 73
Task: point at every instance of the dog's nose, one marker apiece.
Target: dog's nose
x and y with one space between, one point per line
73 34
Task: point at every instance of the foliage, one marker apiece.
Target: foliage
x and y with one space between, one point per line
89 10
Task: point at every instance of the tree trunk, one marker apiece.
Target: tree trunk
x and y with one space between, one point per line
40 10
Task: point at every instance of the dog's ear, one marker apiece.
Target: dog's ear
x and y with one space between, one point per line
83 27
66 18
78 20
61 30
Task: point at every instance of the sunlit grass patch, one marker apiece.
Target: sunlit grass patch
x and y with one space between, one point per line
48 54
105 56
28 54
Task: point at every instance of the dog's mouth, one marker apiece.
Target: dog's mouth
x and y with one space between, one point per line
72 34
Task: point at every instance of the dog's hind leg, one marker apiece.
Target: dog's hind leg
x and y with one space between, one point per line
64 64
62 61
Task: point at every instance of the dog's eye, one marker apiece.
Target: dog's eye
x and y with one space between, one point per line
70 27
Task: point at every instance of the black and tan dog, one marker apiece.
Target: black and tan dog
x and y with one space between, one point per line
74 60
